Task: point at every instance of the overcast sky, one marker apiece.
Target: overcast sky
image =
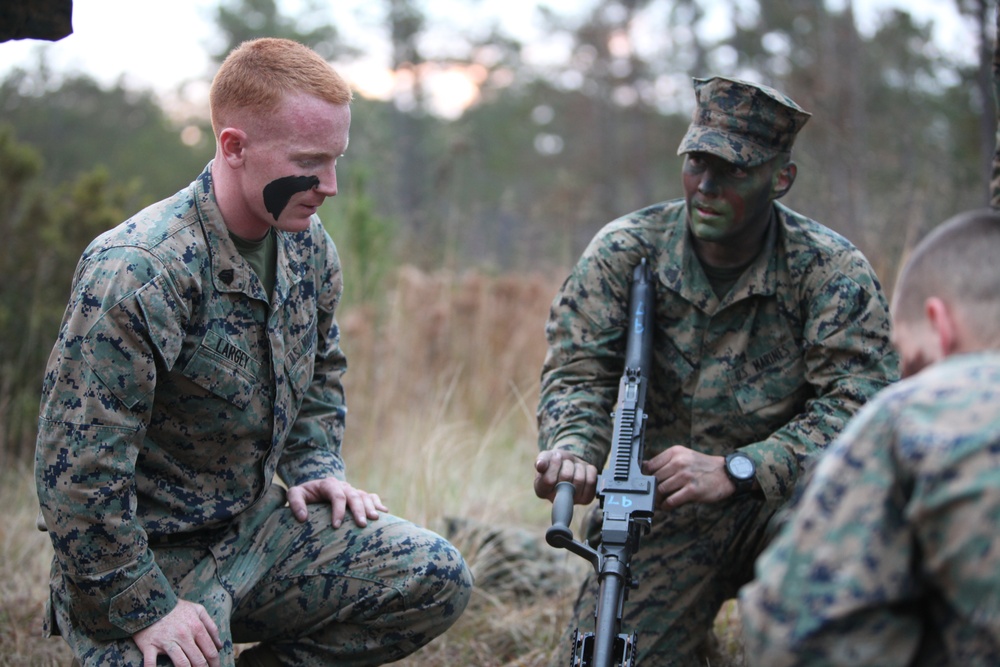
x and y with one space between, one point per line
162 45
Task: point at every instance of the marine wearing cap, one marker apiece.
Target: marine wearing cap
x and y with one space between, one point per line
744 123
778 331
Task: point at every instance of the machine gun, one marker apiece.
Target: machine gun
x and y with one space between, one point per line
626 495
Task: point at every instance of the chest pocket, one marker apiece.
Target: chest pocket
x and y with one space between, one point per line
770 381
221 367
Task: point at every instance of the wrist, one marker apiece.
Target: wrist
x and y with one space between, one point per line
741 471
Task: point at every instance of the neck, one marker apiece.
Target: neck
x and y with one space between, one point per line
237 216
732 253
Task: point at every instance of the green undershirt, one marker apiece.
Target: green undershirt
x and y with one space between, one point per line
722 279
262 256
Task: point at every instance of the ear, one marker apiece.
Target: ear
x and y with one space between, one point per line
232 146
942 320
783 180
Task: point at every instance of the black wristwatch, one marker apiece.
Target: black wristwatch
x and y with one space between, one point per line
741 470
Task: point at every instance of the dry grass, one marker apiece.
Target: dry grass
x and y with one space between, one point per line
442 388
24 573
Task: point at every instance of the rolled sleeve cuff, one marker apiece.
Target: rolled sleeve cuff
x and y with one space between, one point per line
777 469
146 601
582 448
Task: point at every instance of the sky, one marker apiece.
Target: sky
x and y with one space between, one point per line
164 45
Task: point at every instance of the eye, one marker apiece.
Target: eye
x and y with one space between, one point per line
695 163
737 172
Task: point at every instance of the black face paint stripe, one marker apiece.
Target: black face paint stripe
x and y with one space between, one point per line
279 192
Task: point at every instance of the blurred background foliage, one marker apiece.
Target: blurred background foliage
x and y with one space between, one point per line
900 139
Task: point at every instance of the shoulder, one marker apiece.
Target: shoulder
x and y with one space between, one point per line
637 234
953 401
653 219
822 275
169 225
959 394
812 248
165 237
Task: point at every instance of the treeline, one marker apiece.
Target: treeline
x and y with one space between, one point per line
900 139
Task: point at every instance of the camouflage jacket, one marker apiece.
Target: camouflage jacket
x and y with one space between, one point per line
174 393
890 557
776 368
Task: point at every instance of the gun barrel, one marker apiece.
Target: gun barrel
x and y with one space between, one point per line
640 334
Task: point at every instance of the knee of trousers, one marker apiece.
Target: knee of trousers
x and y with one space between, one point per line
442 585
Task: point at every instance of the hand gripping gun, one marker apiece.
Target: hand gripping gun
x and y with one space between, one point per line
625 494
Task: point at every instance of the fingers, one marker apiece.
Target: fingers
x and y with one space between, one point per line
209 651
685 476
187 635
547 468
361 506
212 632
556 466
584 478
297 503
342 497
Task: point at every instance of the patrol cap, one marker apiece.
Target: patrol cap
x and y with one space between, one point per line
742 122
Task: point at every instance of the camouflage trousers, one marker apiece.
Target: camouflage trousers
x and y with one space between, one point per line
693 560
307 594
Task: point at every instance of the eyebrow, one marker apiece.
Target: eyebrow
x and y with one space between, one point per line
300 155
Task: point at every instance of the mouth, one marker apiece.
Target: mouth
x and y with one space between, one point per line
706 211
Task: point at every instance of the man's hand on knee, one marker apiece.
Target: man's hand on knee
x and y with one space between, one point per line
343 497
187 635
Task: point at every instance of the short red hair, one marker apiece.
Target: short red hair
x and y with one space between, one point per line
258 73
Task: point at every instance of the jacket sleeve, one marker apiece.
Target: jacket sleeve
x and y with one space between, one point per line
586 349
848 356
96 403
313 448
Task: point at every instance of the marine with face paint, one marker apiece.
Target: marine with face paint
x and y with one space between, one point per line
199 365
771 332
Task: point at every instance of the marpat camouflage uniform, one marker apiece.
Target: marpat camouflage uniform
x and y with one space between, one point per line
891 556
174 394
776 369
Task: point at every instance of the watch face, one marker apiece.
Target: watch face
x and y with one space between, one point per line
741 467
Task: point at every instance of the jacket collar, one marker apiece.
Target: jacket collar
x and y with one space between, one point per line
683 271
230 272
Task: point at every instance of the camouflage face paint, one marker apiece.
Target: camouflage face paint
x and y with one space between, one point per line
724 199
280 191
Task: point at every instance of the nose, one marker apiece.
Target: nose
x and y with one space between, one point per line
327 185
707 184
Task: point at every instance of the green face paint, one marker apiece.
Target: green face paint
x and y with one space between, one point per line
728 206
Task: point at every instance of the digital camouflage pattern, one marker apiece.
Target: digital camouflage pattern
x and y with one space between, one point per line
744 123
174 394
891 556
776 369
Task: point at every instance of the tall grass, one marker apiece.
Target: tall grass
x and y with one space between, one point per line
442 391
25 554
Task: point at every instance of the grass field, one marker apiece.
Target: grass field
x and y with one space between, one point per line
442 389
